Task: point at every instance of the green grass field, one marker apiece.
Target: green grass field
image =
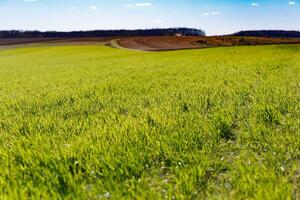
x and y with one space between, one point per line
92 122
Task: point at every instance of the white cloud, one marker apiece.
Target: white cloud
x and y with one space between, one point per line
143 4
138 5
292 2
158 21
93 7
215 13
211 13
30 0
254 4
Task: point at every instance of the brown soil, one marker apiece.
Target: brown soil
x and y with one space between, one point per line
192 42
150 43
17 41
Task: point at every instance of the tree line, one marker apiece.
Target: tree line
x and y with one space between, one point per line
269 33
102 33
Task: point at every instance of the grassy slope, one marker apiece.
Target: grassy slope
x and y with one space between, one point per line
94 122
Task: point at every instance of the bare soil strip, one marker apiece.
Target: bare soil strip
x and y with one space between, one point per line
28 42
192 42
160 43
115 43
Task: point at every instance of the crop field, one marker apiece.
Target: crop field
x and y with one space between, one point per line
93 122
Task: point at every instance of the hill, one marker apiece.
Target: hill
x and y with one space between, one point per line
149 43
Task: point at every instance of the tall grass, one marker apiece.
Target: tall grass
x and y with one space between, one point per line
90 122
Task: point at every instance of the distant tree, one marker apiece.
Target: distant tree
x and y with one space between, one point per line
102 33
269 33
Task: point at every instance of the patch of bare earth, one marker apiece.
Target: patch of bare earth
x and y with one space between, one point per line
162 43
6 43
158 43
15 41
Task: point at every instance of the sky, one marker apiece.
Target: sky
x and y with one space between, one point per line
215 17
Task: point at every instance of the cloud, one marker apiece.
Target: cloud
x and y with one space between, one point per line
30 0
254 4
215 13
138 5
143 4
93 8
292 2
211 13
158 21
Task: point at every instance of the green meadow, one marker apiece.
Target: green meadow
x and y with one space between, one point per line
93 122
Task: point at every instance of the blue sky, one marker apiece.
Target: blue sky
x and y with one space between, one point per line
213 16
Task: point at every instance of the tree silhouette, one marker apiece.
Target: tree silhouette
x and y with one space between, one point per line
102 33
269 33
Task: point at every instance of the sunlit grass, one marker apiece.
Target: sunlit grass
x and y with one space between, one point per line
90 122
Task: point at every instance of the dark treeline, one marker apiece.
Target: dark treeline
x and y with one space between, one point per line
269 33
102 33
